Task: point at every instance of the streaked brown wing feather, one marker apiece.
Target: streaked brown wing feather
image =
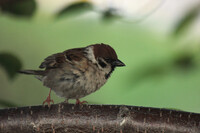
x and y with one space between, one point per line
56 60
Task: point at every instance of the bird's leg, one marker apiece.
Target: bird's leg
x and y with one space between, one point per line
48 100
79 102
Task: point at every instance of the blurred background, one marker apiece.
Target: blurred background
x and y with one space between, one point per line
158 40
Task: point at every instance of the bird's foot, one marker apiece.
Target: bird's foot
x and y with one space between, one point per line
48 100
79 102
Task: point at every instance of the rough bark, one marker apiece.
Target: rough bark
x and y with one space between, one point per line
72 118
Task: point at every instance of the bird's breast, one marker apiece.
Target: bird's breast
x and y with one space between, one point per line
75 83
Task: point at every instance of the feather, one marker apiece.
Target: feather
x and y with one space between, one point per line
32 72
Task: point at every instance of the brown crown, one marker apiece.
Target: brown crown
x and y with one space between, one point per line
104 51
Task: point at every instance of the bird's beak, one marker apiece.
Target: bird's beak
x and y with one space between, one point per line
118 63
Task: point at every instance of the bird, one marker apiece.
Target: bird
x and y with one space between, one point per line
77 72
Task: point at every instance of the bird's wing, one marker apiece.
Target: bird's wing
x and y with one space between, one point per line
68 56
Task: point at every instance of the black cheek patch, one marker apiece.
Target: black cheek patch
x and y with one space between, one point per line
108 75
102 64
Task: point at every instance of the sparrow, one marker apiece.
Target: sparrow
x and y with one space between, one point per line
77 72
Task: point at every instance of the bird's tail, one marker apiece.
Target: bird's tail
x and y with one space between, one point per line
32 72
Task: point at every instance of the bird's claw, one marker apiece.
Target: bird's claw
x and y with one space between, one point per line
79 102
48 101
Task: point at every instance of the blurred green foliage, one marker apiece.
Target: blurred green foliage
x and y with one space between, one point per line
187 20
110 15
5 103
10 63
74 9
184 61
157 73
19 8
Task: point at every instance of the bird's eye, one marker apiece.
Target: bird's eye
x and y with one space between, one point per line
101 63
108 60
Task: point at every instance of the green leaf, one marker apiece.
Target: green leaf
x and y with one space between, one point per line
110 15
19 7
75 9
187 20
184 61
10 63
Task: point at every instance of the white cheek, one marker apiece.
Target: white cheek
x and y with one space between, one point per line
90 54
107 69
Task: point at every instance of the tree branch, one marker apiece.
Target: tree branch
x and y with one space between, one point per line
72 118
